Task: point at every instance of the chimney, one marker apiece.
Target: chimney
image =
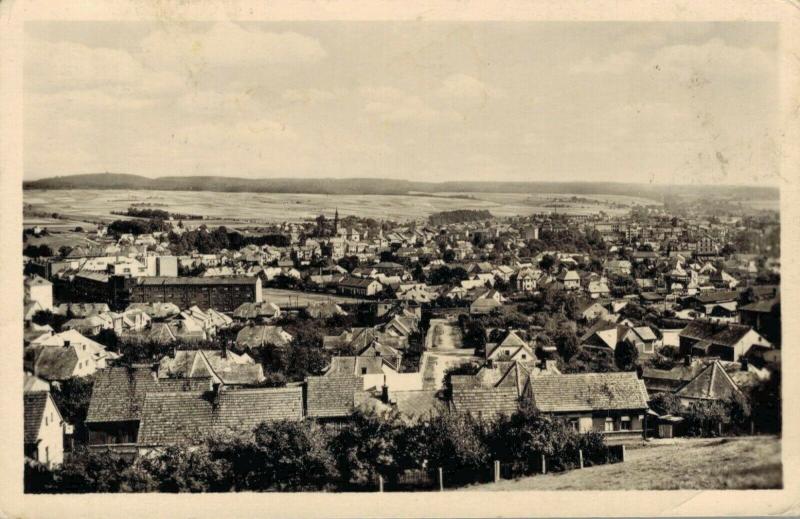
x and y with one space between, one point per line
216 389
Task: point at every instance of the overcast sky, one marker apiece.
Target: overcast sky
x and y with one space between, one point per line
660 102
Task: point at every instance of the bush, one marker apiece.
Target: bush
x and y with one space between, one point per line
178 469
38 478
367 447
666 403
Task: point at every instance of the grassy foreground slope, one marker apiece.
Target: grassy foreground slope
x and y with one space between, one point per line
702 464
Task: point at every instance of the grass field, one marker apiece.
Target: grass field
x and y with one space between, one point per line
241 208
702 464
282 297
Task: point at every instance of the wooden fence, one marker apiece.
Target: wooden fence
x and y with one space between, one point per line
441 478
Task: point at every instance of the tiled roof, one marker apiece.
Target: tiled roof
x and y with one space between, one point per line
197 281
332 396
588 392
713 383
254 310
726 334
257 336
485 403
186 417
118 393
34 404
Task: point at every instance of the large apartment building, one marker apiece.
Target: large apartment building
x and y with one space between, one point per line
223 294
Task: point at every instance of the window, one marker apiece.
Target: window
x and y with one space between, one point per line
45 421
573 424
625 424
524 356
47 454
609 425
648 347
363 371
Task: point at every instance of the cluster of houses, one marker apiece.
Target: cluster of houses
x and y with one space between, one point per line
724 326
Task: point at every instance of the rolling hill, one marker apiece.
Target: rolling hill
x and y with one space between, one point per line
382 186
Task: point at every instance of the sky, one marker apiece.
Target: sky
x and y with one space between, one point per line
425 101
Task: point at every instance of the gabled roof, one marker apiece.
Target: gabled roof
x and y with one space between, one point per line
255 310
713 383
118 393
487 403
332 396
34 403
257 336
725 334
588 392
189 416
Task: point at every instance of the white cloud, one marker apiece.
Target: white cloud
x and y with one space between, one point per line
390 104
209 102
227 45
713 60
616 63
73 66
463 86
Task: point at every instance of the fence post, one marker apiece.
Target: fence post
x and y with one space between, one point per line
441 480
623 453
496 471
719 428
544 465
752 428
380 483
580 457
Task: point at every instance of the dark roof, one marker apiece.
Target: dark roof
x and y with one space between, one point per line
118 393
190 416
486 403
725 334
355 282
34 403
198 281
588 392
764 306
716 296
713 383
332 396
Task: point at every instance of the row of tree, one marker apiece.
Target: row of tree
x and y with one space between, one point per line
303 456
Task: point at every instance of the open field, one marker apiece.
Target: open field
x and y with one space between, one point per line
282 297
243 208
682 463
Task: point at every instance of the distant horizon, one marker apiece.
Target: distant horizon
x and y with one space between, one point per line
369 178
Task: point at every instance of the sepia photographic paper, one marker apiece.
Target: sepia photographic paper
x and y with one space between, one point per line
379 259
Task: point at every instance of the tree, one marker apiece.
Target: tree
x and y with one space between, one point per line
283 456
666 403
626 355
449 256
64 251
72 398
178 469
547 262
468 368
86 471
367 447
567 343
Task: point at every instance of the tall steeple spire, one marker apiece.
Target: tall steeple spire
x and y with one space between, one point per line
336 222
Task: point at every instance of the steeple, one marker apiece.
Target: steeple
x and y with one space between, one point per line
336 222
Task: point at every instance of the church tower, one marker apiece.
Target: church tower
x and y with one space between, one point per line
336 222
